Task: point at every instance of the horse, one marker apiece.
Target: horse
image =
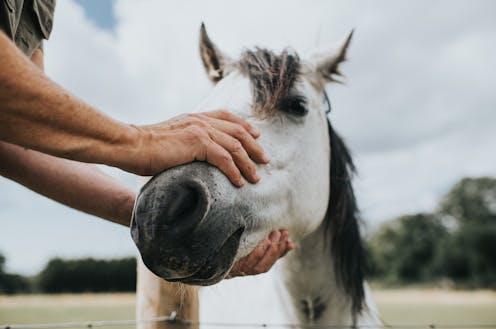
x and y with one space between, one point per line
191 224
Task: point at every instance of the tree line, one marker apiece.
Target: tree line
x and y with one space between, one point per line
455 243
74 275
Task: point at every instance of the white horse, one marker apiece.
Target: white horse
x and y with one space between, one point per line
191 224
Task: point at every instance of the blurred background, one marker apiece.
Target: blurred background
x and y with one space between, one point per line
417 110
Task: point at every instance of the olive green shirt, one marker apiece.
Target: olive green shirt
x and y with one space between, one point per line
27 22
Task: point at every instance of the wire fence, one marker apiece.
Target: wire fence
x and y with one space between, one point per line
172 319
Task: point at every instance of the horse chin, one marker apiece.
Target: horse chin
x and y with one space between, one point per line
217 265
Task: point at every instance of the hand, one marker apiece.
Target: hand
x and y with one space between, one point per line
220 138
264 256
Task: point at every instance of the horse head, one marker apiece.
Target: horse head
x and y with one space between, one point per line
191 224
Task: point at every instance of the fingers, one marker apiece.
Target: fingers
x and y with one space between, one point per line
236 136
228 116
238 154
219 157
271 255
265 255
257 255
284 244
279 247
220 138
289 246
237 131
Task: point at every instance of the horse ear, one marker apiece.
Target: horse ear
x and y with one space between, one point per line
327 63
213 59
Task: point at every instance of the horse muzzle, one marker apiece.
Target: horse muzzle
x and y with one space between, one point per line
183 226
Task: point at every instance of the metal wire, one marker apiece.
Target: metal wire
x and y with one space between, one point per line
173 319
337 326
94 324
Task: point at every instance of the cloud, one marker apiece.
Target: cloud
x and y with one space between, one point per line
415 178
418 109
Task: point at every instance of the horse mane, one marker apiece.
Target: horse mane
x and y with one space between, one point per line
342 223
272 76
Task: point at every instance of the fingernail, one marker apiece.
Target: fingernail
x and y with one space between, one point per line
240 182
265 158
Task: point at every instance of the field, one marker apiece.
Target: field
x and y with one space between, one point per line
396 306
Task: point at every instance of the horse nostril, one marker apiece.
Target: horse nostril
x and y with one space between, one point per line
182 207
169 211
184 201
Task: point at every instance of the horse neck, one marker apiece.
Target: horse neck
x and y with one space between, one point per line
310 279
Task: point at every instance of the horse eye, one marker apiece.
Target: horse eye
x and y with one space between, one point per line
295 106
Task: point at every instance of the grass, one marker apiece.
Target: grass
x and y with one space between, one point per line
396 306
67 308
436 306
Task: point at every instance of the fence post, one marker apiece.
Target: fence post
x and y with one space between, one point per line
156 297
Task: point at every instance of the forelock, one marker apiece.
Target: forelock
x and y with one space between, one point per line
271 75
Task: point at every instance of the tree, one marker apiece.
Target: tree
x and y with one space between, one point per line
2 263
404 249
467 255
472 200
88 275
456 242
12 283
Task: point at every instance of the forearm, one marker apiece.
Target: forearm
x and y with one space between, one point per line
77 185
38 114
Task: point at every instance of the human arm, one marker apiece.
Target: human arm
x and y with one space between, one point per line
78 185
85 187
38 114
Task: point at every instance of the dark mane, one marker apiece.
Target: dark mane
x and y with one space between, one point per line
342 224
271 75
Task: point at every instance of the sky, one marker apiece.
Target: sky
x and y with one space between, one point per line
417 109
99 12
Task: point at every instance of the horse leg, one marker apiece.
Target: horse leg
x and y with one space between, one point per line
156 297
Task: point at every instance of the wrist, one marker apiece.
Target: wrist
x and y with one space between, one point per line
119 209
126 152
124 208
